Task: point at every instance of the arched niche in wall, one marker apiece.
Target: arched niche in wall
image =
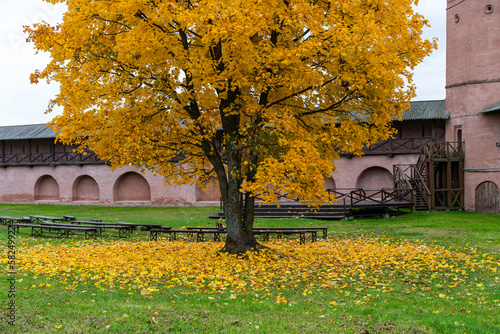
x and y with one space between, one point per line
487 198
375 178
209 191
131 186
330 183
46 189
85 188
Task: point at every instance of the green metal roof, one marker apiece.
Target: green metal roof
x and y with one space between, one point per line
493 108
422 110
32 131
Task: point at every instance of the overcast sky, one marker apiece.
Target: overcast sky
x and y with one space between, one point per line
24 103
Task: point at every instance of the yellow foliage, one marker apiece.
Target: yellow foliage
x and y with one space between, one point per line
252 92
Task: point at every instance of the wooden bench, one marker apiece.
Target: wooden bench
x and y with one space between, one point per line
280 232
324 229
123 231
38 219
217 232
132 225
200 233
5 220
62 231
153 233
148 227
195 229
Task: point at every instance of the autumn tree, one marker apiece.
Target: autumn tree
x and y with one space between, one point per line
260 94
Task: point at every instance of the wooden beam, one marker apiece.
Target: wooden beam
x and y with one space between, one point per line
432 184
29 151
461 183
449 187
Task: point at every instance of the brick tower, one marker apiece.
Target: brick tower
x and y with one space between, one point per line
473 97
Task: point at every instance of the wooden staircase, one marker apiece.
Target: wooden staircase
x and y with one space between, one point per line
421 203
437 177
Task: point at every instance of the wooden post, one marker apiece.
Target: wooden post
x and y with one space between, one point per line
449 188
29 151
461 184
53 149
432 184
432 177
433 130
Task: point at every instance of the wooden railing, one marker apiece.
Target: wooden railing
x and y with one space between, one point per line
382 196
441 151
408 176
45 159
350 197
396 146
449 202
401 179
353 197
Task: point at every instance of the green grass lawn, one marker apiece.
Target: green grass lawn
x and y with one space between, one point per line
453 296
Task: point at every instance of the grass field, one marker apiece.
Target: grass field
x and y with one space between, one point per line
417 273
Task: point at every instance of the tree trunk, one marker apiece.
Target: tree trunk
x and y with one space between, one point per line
239 212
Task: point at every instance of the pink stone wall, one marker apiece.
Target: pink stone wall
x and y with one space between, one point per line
85 189
375 178
473 179
19 186
46 189
208 192
131 187
349 171
98 184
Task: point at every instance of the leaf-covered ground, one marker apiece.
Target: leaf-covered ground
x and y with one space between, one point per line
375 265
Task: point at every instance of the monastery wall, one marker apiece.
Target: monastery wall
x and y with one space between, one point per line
95 184
368 172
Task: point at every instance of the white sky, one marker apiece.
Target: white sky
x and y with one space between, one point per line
25 103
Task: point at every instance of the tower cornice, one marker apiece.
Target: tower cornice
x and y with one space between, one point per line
472 82
453 3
